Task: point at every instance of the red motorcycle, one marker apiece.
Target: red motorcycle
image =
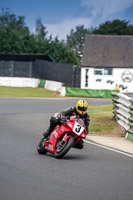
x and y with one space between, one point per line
63 137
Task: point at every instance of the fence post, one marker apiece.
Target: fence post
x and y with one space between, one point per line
73 74
12 68
30 69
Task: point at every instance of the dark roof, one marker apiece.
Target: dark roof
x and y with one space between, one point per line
108 51
26 57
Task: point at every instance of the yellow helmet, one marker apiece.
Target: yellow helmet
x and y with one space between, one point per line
81 107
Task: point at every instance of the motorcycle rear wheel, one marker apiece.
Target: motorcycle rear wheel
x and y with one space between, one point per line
41 146
62 150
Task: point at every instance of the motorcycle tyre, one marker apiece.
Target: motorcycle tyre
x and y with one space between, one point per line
70 142
41 149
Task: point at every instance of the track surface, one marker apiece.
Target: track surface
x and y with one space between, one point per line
93 173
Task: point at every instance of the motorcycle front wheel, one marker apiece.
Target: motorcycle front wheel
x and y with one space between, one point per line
63 147
41 146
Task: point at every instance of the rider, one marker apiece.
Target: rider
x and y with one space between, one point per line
80 110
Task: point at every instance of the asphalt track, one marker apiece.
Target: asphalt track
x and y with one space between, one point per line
93 173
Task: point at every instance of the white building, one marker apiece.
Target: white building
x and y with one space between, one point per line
107 60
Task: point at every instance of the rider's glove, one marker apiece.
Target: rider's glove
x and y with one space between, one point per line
63 119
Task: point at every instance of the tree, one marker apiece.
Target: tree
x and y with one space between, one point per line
10 41
62 53
14 35
76 38
115 27
16 38
40 29
9 19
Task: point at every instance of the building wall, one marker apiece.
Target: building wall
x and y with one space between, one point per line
120 76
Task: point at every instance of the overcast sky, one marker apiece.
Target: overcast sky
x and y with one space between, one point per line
60 16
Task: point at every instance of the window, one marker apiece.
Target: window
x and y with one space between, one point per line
103 71
98 71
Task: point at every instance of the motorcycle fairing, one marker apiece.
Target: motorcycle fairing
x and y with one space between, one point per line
50 145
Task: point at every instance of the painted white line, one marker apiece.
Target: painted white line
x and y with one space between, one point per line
109 148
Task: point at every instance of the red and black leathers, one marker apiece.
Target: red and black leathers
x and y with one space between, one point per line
72 111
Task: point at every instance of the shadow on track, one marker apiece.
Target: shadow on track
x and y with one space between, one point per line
68 156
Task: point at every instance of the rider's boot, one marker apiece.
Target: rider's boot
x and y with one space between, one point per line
80 144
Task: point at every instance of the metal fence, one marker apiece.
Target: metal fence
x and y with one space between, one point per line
65 73
16 68
38 68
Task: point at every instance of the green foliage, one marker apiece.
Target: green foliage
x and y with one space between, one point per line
10 40
40 30
116 27
14 35
62 52
76 41
9 19
16 38
76 38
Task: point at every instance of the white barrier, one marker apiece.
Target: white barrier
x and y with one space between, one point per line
19 82
55 86
123 110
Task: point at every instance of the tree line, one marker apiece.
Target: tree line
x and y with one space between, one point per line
16 38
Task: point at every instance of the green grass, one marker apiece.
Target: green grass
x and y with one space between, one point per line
26 92
102 121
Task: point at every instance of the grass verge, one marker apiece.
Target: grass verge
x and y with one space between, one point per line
26 92
103 123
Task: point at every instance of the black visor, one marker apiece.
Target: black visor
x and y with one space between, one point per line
82 108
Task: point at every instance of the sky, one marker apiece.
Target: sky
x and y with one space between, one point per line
60 16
